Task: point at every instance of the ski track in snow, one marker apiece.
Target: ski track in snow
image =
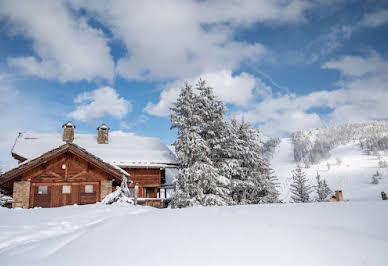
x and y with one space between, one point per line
66 228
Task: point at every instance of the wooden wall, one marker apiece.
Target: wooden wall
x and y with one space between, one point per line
65 170
76 170
146 178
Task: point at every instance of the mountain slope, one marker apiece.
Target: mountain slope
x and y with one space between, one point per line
352 175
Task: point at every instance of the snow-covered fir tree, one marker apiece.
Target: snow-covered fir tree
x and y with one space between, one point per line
322 189
299 187
252 180
214 132
220 162
121 195
195 116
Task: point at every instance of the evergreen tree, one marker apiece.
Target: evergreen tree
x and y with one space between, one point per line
198 118
322 189
221 163
252 181
299 187
214 132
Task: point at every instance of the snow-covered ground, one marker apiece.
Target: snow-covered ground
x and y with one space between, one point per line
352 176
345 233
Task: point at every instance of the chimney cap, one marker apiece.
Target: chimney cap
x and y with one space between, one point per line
68 124
103 127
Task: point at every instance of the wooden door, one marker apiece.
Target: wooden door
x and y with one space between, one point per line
48 195
41 195
89 192
68 194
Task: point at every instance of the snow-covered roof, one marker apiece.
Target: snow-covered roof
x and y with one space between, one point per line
123 150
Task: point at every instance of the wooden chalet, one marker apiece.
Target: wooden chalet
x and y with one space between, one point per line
65 169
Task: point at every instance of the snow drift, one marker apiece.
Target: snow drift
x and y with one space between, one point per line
347 233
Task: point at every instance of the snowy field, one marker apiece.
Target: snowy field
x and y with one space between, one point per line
346 233
352 175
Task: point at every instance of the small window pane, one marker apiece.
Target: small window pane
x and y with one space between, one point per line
42 190
66 189
89 188
131 192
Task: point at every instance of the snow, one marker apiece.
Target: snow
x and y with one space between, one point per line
343 233
122 150
352 176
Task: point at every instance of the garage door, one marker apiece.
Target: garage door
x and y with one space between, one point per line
48 195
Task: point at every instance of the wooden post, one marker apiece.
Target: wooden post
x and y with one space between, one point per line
383 195
339 195
136 194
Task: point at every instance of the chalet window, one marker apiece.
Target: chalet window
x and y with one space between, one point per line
66 189
131 192
42 190
88 188
149 192
163 176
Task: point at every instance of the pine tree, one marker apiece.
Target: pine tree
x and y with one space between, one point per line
322 189
299 187
252 181
221 163
214 132
189 148
198 118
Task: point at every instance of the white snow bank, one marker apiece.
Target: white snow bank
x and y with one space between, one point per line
347 233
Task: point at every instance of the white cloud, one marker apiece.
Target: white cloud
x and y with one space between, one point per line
19 114
357 66
375 19
100 102
337 35
329 41
356 101
66 47
362 96
176 39
239 90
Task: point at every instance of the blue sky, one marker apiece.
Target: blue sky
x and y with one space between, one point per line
282 65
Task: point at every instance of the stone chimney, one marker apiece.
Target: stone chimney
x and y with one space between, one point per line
68 132
102 137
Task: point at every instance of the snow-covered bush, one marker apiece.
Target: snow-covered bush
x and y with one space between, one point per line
322 189
120 196
4 199
382 164
376 178
299 187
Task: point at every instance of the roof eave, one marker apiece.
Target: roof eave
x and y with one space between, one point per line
25 166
